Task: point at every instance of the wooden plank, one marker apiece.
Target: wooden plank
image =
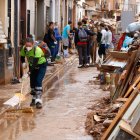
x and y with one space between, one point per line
122 135
122 99
119 54
137 128
126 127
126 117
122 83
129 68
131 87
120 114
131 73
116 58
135 117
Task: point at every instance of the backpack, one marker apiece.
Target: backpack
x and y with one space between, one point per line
46 51
82 35
44 48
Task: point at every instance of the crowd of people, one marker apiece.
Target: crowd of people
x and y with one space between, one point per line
86 38
97 37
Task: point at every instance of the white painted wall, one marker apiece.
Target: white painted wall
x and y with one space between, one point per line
52 11
12 22
3 16
63 11
57 12
31 7
80 13
47 3
138 6
40 19
41 16
80 10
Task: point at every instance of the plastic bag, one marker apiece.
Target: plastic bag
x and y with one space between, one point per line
135 26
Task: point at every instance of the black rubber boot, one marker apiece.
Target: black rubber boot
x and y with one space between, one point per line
33 92
33 103
38 105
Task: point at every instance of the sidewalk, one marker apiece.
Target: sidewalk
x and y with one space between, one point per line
8 91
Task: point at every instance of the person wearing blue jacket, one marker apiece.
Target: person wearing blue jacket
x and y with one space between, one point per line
58 38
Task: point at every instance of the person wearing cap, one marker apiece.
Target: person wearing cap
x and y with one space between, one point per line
37 69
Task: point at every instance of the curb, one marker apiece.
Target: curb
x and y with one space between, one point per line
51 79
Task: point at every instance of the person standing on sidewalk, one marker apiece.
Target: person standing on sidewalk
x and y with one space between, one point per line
65 38
58 38
109 43
93 46
102 47
90 35
81 41
52 42
37 69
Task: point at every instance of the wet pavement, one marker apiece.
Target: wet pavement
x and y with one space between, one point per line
64 112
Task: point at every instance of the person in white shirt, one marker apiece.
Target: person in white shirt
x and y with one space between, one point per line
102 49
108 38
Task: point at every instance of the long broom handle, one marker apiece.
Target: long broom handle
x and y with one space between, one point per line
19 105
21 92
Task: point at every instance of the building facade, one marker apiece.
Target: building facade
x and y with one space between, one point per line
21 18
6 39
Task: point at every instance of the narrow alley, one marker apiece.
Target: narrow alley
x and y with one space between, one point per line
69 70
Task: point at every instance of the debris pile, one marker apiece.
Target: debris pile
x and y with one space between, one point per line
102 114
118 116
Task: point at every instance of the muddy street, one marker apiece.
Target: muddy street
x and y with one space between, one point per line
64 111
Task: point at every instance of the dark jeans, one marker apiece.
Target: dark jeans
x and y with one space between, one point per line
70 44
82 52
88 52
65 47
53 50
36 78
102 50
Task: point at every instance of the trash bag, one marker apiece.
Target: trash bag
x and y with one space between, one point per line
135 26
